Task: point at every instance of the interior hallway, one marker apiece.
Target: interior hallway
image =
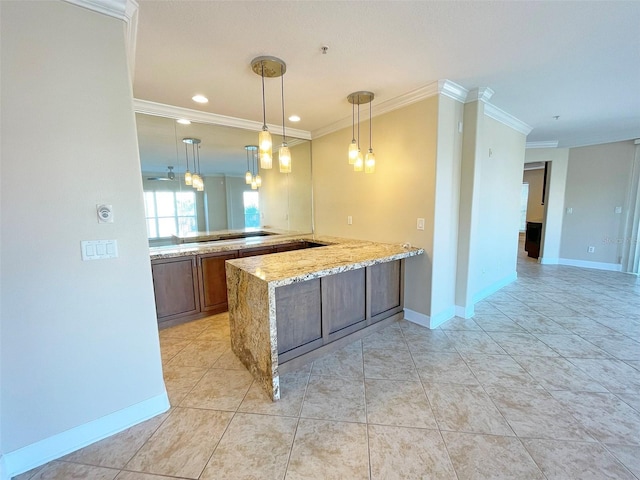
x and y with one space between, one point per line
544 382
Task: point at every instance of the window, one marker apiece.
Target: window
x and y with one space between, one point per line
251 209
170 213
524 200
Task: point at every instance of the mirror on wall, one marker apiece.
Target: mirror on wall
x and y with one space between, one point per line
226 202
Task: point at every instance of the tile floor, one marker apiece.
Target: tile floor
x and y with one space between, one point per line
543 383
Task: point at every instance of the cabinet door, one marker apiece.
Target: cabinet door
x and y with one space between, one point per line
385 287
299 319
175 285
213 281
343 303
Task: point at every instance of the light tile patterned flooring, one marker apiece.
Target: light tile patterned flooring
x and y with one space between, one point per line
544 382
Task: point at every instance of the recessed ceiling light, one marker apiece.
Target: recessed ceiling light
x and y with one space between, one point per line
184 121
294 118
200 99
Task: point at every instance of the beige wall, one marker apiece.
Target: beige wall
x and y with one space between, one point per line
79 339
215 194
535 208
385 205
235 201
597 183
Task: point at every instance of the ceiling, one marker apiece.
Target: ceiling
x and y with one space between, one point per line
576 60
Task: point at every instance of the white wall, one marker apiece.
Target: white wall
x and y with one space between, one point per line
236 186
597 182
80 352
215 188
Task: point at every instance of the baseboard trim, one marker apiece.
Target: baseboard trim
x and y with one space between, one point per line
465 312
4 474
549 261
43 451
493 288
611 267
429 321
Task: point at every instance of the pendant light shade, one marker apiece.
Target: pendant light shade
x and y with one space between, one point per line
187 175
193 179
248 177
258 180
252 177
265 143
284 159
361 163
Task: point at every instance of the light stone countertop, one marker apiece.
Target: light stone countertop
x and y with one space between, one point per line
339 255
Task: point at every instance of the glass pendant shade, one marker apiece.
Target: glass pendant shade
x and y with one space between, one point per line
200 187
284 159
258 180
187 178
370 162
254 184
353 152
358 165
248 177
265 144
195 180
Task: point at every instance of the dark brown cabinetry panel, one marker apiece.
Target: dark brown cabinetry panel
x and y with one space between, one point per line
343 302
298 310
213 281
175 284
385 287
252 252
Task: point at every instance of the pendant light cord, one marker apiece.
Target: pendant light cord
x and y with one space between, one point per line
358 122
284 136
370 122
186 154
264 108
353 122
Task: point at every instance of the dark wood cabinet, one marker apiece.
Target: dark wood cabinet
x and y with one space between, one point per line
298 309
252 252
175 284
213 281
344 303
386 288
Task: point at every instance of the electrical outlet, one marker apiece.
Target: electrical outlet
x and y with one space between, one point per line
591 249
420 224
349 220
618 210
569 210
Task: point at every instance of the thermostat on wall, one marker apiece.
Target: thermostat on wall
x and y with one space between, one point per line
105 213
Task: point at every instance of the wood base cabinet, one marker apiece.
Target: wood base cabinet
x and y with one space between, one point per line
175 284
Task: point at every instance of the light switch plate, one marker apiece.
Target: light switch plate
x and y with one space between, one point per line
420 224
99 249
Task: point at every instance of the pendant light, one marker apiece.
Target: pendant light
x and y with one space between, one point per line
200 179
187 173
358 98
269 67
370 158
353 147
195 177
284 155
248 177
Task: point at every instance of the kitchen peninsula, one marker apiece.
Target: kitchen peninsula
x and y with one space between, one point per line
289 308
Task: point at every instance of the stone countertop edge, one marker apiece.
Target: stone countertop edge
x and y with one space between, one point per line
307 264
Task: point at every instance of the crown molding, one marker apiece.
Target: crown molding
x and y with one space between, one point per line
453 90
170 111
542 144
629 135
482 94
507 119
112 8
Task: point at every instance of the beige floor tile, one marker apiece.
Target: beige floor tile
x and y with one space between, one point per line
74 471
183 444
497 323
522 344
115 451
628 455
188 330
221 333
334 398
605 416
426 340
464 408
556 373
325 450
180 380
199 353
474 342
458 323
582 325
388 337
585 461
402 453
293 387
219 390
615 375
499 371
171 346
254 446
29 474
346 362
485 307
538 323
572 346
389 363
477 457
630 399
536 414
443 367
229 361
143 476
400 403
618 346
